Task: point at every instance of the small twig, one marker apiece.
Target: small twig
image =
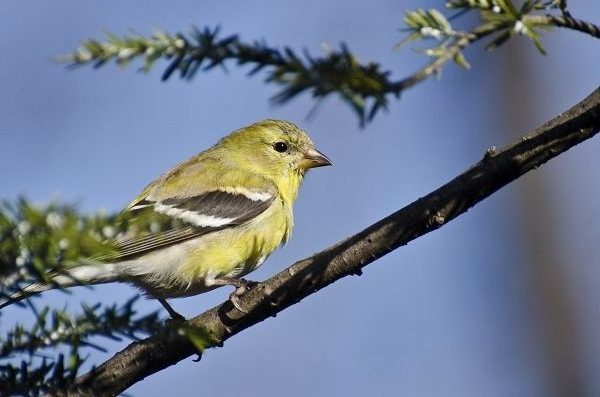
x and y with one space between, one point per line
435 66
565 21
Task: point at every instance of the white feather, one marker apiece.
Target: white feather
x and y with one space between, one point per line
192 217
89 274
251 194
163 269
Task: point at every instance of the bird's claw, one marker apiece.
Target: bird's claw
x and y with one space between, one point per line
242 286
235 301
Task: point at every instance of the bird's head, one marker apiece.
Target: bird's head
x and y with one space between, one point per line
275 147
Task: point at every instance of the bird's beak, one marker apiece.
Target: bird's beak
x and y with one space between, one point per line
314 158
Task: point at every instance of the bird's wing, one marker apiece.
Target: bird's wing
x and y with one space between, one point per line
200 214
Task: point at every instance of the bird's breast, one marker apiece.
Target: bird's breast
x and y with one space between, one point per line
236 251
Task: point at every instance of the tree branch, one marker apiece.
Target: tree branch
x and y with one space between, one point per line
435 66
365 87
565 21
212 328
468 38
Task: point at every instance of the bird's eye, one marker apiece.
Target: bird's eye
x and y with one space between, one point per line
280 147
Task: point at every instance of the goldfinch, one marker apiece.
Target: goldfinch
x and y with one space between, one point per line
234 202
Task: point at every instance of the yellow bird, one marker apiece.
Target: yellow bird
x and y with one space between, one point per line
234 201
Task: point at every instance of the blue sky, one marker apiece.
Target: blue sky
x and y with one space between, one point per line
453 313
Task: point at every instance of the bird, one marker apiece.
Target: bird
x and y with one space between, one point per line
234 203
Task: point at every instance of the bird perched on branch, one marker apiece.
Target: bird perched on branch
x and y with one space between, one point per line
234 201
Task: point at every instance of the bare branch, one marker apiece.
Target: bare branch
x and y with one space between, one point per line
212 328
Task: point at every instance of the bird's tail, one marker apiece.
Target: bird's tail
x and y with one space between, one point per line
31 289
79 275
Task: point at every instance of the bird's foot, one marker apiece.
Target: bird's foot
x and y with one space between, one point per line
176 318
241 285
235 301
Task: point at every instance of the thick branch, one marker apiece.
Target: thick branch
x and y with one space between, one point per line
348 257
